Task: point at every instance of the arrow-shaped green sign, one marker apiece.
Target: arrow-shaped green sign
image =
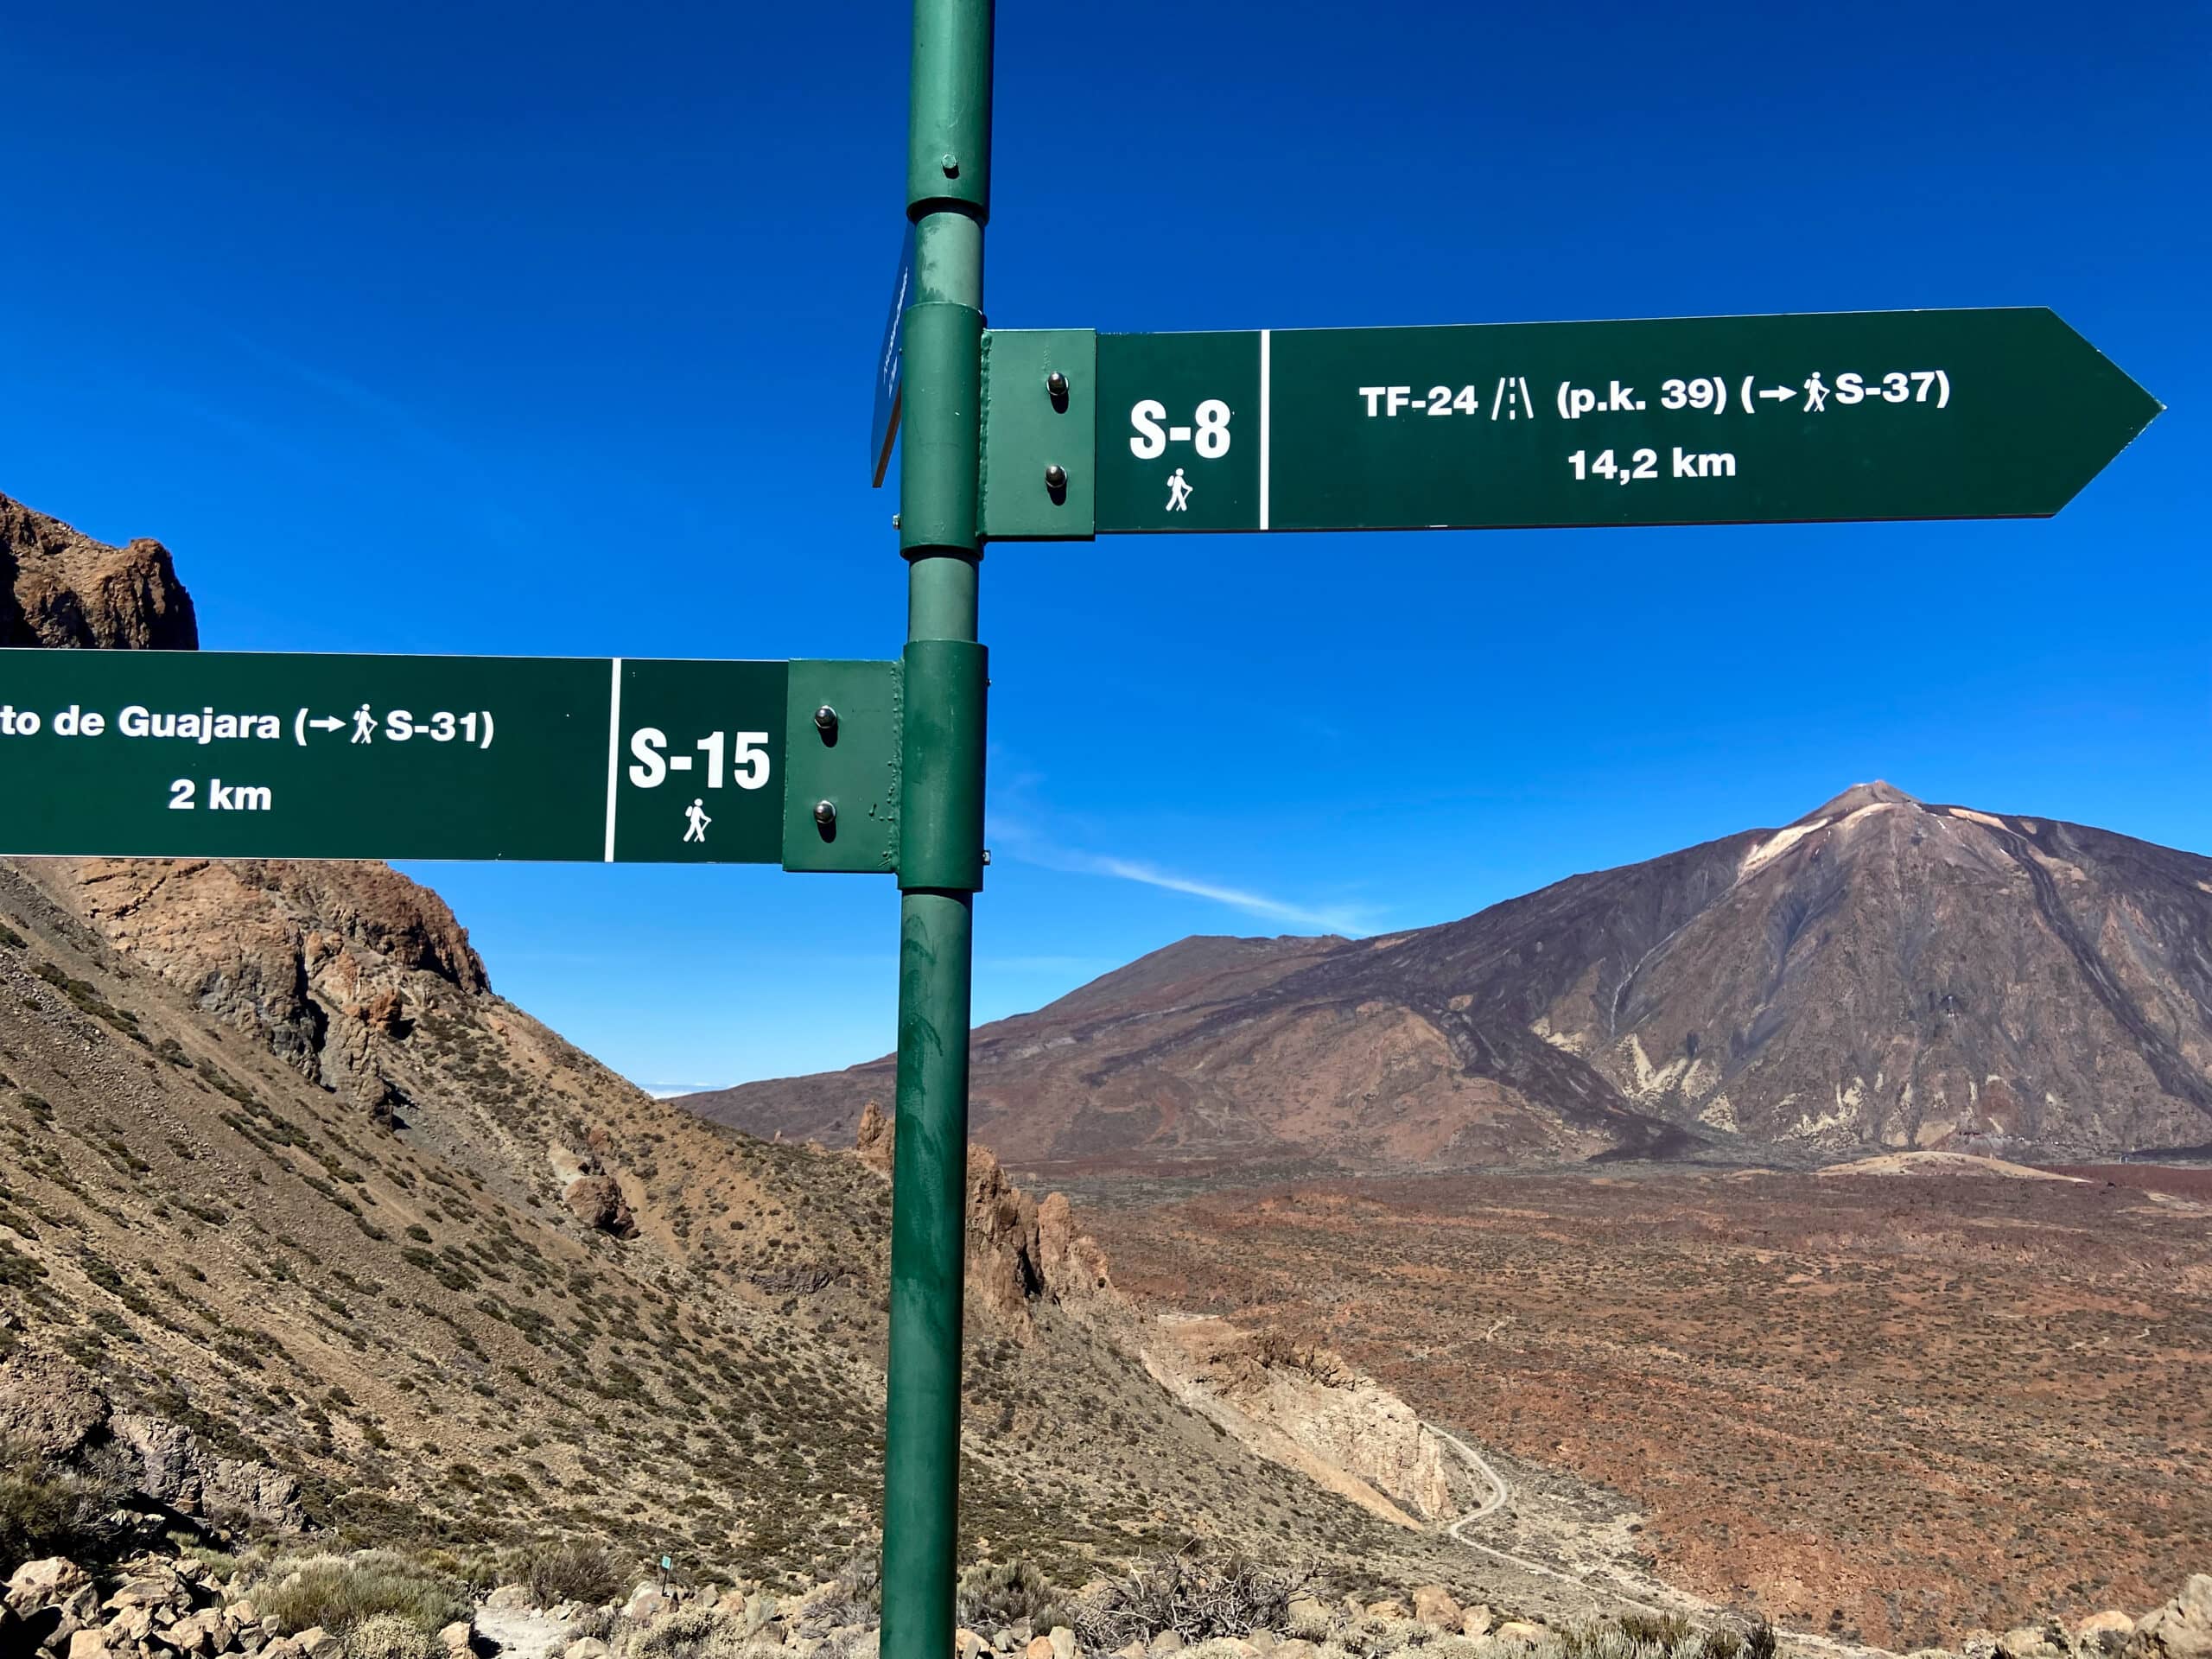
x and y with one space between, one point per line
1994 414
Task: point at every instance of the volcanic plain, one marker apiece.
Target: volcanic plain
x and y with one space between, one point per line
1896 1400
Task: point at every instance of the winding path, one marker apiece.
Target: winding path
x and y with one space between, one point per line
1476 1461
1676 1601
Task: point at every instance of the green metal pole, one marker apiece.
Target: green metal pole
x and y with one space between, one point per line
941 814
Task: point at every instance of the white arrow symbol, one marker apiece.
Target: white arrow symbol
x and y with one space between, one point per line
1778 391
328 723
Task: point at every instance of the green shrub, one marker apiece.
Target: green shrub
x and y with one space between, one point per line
340 1591
994 1594
1654 1630
1197 1595
560 1570
1312 1624
387 1636
858 1599
692 1633
47 1510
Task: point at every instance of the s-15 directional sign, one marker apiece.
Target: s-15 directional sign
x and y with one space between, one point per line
244 755
1695 420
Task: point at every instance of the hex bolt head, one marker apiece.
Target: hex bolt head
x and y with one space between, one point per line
1057 384
825 720
1056 477
951 165
825 816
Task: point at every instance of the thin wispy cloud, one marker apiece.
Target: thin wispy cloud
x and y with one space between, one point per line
1020 842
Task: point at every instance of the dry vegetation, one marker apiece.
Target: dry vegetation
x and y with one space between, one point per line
397 1308
1892 1407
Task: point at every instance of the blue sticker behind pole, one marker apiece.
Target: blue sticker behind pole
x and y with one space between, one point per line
887 362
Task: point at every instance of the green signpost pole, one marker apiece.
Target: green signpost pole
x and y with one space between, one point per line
941 819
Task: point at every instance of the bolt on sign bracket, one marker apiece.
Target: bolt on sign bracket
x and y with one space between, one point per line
1040 434
842 738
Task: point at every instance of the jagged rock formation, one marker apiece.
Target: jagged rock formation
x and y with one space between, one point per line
60 587
317 957
1020 1251
53 1405
1880 973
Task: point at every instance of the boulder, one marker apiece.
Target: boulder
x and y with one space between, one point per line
1165 1642
647 1602
45 1582
1062 1641
589 1647
50 1405
1433 1606
597 1201
2104 1632
510 1598
1263 1641
2032 1642
88 1645
315 1643
202 1633
1039 1648
283 1647
1520 1632
131 1624
1391 1607
155 1592
1475 1622
968 1644
2182 1628
458 1637
78 1610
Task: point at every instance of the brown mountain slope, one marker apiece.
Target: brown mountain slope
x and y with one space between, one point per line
280 1173
1881 972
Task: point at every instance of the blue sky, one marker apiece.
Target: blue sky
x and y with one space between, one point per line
534 330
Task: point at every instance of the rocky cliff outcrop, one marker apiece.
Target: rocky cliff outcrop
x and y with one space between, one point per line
318 960
1307 1409
52 1407
1020 1250
59 587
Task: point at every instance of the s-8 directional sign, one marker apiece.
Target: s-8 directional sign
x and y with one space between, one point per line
1697 420
242 755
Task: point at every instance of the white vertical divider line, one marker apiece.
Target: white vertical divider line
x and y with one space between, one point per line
1266 354
613 751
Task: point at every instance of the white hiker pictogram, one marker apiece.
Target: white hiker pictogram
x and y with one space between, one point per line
696 821
365 724
1816 394
1178 492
